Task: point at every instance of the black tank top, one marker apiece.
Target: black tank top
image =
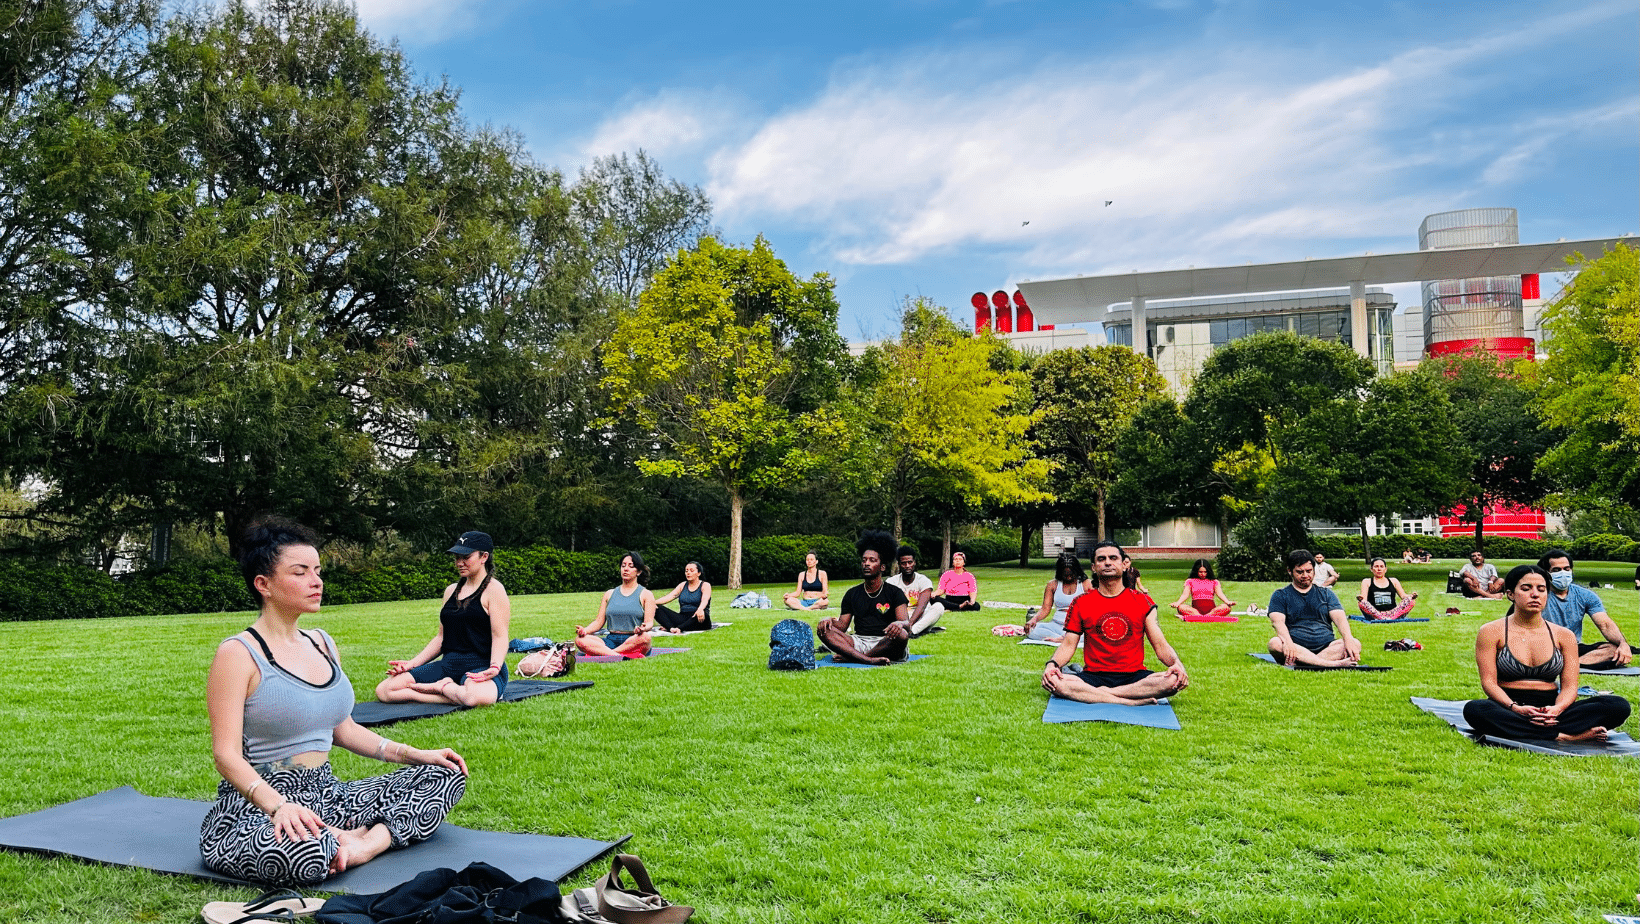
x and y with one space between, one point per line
812 586
1381 597
466 624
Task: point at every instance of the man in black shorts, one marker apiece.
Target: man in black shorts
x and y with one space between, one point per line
876 608
1113 622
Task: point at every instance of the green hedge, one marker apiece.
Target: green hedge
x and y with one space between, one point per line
31 590
1590 548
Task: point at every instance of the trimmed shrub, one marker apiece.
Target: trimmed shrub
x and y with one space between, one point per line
1255 548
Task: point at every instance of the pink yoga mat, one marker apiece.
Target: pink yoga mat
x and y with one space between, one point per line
1209 619
612 659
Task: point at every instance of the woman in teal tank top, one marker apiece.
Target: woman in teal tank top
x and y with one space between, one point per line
627 612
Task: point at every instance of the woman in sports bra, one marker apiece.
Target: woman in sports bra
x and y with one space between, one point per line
465 664
694 596
813 587
1528 669
627 613
1199 591
278 702
1383 597
1047 624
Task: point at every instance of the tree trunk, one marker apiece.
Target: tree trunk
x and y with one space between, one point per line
1102 534
1025 532
1366 542
945 548
1480 532
899 518
737 506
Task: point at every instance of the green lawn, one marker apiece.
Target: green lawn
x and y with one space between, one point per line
925 792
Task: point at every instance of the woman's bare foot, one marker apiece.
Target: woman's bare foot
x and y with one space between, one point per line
1592 736
357 846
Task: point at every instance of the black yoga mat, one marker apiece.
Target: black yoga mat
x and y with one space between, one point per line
374 713
126 828
1266 656
1450 711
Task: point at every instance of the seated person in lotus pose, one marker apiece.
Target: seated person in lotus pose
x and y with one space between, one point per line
919 593
813 587
465 663
694 596
1301 612
959 590
876 609
1113 621
1481 579
1047 624
1406 556
1132 576
1380 592
1325 575
278 702
1569 604
1528 669
627 611
1200 590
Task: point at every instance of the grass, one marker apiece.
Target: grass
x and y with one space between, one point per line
926 792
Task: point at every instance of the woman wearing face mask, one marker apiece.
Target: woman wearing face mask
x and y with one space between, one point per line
1380 592
1528 670
465 664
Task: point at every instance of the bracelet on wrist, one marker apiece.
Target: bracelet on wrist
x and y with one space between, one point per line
275 810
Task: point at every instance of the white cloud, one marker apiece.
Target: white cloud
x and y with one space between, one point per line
669 124
417 21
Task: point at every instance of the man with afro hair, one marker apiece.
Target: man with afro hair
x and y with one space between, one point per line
875 608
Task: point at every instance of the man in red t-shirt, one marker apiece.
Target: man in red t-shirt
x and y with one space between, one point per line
1112 624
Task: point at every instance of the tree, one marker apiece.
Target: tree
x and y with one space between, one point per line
1589 384
636 218
1393 449
1491 407
717 368
1084 400
949 425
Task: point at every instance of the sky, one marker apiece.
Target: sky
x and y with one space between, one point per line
942 147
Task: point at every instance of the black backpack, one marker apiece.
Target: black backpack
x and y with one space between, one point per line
791 646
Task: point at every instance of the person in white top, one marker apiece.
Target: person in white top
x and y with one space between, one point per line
919 591
1325 575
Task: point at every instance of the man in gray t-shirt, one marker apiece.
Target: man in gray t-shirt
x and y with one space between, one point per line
1481 579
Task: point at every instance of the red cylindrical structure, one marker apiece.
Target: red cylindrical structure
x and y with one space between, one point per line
1529 286
1502 347
1024 321
1004 315
982 311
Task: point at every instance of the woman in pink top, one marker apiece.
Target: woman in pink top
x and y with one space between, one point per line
1200 589
958 589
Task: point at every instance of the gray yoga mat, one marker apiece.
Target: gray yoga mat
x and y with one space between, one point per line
123 827
1450 711
1613 672
374 714
1266 656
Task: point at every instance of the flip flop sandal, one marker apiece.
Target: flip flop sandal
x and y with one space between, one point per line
274 905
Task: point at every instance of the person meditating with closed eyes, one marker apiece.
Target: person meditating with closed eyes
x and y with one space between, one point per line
1528 670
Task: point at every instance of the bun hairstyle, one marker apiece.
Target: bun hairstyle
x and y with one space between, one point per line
1516 574
698 569
262 544
637 562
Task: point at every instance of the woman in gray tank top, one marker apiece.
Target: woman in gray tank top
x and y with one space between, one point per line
278 702
627 612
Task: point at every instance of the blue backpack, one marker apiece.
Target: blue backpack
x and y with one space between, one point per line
791 646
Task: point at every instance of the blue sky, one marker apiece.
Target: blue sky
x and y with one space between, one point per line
901 145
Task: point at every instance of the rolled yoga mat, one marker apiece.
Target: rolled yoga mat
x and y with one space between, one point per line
1159 715
374 714
1450 711
826 661
126 828
1266 656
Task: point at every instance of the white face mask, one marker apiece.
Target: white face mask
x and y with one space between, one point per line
1561 579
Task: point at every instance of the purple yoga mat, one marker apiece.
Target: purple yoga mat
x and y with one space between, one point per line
613 659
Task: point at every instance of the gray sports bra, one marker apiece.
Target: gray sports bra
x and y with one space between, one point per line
1510 667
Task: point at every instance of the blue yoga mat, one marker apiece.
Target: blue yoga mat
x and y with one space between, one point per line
1269 658
826 661
1388 622
1160 715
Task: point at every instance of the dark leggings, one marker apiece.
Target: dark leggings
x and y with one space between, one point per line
1490 718
957 603
669 618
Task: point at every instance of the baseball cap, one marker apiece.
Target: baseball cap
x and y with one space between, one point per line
473 541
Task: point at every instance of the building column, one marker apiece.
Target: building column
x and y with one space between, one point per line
1141 340
1358 318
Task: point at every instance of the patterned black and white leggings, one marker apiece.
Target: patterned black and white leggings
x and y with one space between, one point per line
238 839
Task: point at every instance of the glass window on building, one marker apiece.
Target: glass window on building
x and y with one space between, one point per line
1119 334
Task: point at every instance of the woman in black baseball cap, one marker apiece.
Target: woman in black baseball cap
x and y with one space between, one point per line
466 662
